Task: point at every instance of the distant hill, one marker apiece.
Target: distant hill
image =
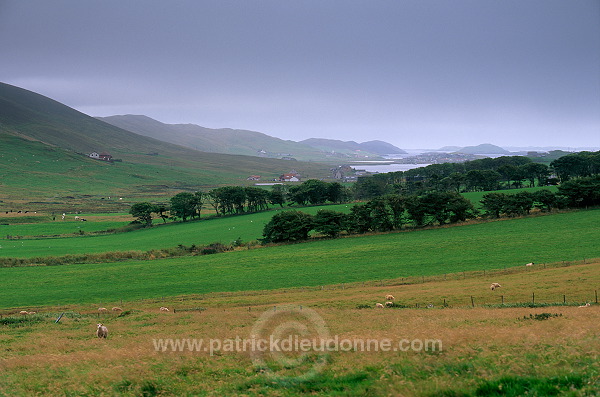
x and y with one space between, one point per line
371 148
449 149
222 140
34 129
485 148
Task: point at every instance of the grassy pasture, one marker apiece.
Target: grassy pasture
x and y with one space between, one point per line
474 247
485 352
248 227
476 197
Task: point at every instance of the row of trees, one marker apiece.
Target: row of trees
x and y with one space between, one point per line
229 200
392 212
480 175
381 214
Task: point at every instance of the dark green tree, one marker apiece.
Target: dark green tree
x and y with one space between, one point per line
184 205
143 212
288 226
330 223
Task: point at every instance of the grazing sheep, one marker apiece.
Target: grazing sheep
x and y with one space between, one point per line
586 305
103 310
494 286
30 312
23 312
379 305
164 309
529 264
389 297
102 331
76 218
389 304
117 309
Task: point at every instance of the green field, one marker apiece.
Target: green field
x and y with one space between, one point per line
227 229
492 245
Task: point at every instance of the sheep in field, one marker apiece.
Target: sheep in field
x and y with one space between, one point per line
389 304
102 310
102 331
23 312
117 309
586 305
30 312
389 297
529 264
164 309
494 286
379 305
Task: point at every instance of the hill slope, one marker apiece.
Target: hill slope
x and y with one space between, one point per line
32 125
223 140
355 149
484 148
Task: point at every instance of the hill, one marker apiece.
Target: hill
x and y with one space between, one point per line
223 140
485 148
351 148
49 142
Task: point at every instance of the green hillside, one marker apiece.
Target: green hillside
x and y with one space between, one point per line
48 142
223 140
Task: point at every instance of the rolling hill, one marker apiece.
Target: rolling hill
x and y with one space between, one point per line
48 142
371 148
223 140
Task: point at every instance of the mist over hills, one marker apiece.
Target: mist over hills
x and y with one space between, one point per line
49 142
251 143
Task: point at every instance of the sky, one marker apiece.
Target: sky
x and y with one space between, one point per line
415 73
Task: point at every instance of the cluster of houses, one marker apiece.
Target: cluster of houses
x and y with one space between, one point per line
291 176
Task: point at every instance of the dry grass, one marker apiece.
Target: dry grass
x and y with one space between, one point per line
479 344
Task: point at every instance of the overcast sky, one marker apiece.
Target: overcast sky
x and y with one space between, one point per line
418 74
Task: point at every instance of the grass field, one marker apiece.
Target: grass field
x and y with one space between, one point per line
481 352
494 245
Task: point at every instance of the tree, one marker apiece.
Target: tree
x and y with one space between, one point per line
330 223
288 226
143 212
494 204
581 192
337 193
545 200
184 205
277 195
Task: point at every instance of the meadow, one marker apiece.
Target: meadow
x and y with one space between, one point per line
568 236
510 351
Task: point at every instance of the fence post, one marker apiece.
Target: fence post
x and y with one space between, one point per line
472 301
533 298
565 299
596 292
502 296
444 302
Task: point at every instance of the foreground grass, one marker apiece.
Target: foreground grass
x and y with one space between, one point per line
494 245
485 352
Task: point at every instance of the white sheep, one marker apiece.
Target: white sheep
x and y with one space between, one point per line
389 304
379 305
164 309
102 331
23 312
76 218
494 286
103 310
389 297
117 309
529 264
586 305
30 312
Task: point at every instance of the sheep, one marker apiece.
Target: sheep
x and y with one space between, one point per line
103 310
23 312
117 309
164 309
494 286
30 312
389 297
102 331
76 218
586 305
529 264
389 304
379 305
